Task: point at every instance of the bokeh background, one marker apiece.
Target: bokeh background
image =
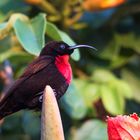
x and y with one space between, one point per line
105 82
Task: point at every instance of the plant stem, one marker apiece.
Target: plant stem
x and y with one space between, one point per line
51 125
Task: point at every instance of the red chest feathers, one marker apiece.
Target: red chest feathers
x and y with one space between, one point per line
62 63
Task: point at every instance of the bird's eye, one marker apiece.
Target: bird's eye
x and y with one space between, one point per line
62 46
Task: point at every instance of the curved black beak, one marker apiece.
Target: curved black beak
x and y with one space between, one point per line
81 46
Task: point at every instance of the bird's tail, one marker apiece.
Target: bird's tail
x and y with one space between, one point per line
7 107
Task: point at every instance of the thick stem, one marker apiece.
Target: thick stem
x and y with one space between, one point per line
51 125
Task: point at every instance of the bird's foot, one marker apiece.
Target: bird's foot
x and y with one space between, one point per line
54 91
40 94
41 99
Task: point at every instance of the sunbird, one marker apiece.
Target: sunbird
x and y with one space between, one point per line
51 67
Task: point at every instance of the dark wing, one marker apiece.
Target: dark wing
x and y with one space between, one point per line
36 66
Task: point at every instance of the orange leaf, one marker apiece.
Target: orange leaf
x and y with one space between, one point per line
93 5
33 1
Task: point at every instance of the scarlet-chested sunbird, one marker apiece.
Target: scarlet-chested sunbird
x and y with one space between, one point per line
52 68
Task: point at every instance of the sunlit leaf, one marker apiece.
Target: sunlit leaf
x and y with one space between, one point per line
59 35
123 88
134 83
52 31
90 94
103 76
129 40
3 25
31 34
68 40
112 100
88 90
121 49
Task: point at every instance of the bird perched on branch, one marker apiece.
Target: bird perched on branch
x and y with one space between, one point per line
52 68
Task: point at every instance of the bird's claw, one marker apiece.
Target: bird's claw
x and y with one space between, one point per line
54 91
41 98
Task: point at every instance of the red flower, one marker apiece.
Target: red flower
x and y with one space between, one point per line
124 127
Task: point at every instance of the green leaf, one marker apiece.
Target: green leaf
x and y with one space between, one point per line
73 103
13 122
127 90
5 45
10 53
90 94
52 31
134 82
31 34
31 123
129 40
68 40
121 49
91 130
112 100
3 25
4 30
102 76
88 91
59 35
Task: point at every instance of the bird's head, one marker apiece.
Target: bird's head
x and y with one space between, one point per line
59 48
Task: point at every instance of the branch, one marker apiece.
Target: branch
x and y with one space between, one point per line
7 76
51 125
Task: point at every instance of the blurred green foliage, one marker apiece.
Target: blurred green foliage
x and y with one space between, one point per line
105 82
